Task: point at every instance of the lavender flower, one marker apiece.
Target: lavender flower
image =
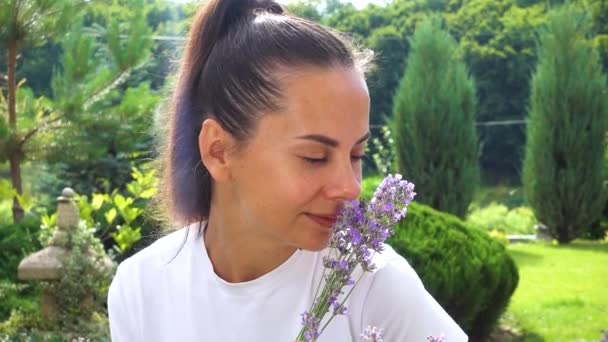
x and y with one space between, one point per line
605 337
360 231
372 334
311 324
436 339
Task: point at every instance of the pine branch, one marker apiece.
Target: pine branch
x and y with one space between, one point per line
43 126
122 77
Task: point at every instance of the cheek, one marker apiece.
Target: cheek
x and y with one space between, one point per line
276 184
293 187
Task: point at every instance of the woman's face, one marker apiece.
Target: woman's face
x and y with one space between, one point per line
301 165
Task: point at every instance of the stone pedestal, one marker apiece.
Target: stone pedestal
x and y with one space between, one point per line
48 305
47 264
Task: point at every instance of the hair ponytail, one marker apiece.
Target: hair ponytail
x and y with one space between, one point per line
182 156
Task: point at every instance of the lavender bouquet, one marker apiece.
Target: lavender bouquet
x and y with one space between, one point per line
359 232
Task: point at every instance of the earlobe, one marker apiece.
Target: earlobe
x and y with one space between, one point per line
212 142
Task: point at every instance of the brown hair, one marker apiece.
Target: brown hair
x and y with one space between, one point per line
228 71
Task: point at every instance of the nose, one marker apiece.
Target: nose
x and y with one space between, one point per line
345 183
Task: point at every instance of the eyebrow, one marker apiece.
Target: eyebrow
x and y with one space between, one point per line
325 140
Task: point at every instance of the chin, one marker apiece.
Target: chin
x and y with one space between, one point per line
315 244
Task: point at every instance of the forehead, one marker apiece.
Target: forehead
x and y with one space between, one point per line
331 101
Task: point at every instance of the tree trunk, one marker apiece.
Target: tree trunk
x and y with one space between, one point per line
14 158
565 235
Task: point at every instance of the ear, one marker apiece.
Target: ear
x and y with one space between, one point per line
213 144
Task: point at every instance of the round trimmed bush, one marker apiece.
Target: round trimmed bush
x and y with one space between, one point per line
465 270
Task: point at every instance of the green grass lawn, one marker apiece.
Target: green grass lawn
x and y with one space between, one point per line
562 293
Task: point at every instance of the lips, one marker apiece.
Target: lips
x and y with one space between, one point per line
327 221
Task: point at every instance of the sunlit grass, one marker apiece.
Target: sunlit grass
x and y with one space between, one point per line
563 291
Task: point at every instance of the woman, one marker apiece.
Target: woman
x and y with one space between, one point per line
269 124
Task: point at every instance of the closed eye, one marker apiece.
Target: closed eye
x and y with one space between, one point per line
315 160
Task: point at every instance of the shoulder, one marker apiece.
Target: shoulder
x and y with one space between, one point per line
393 277
159 253
149 263
398 302
137 281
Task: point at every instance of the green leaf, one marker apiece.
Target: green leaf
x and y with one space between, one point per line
97 202
110 215
131 214
126 237
7 191
25 201
120 202
48 220
149 193
133 189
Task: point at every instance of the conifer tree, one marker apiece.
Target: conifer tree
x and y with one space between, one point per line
563 171
81 83
434 122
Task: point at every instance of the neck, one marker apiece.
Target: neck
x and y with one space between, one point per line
237 253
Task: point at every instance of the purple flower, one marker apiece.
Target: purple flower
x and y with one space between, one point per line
360 231
372 334
311 325
391 199
436 339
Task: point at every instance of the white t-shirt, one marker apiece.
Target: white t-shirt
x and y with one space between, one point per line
161 294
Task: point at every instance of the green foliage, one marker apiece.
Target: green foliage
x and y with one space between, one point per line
519 221
497 38
85 280
136 46
17 240
6 207
82 287
306 9
383 154
15 296
32 110
500 236
48 225
512 197
96 155
69 87
369 185
434 117
563 168
468 272
121 217
4 129
32 22
79 122
17 326
598 230
391 48
26 325
7 192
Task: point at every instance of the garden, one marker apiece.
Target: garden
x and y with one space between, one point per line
497 110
